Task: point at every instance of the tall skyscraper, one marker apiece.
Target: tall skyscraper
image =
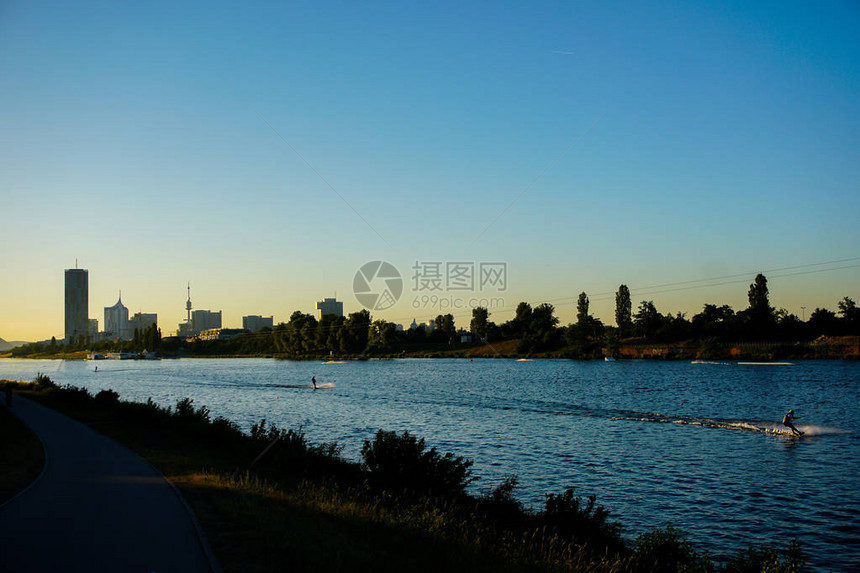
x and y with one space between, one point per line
77 304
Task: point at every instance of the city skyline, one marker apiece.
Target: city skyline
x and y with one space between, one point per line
599 300
266 155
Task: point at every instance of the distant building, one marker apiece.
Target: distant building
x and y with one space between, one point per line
219 333
116 320
184 330
330 306
198 320
255 323
93 328
205 320
77 304
141 321
428 326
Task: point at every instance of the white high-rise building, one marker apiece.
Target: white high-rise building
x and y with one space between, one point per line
204 320
116 320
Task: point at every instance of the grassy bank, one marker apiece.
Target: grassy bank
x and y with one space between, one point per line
271 501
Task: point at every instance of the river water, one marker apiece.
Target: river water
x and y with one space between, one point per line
697 445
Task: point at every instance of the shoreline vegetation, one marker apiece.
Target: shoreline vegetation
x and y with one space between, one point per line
822 348
269 500
759 332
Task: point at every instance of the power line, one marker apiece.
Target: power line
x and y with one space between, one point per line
641 292
722 280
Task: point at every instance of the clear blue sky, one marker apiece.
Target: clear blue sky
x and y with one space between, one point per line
584 144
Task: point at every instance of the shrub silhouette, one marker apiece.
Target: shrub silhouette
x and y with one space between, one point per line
107 397
73 394
501 506
402 464
185 412
667 551
755 560
43 382
587 522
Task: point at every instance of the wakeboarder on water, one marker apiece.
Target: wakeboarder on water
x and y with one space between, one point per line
787 421
314 380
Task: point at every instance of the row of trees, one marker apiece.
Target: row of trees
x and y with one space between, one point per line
758 322
537 329
148 338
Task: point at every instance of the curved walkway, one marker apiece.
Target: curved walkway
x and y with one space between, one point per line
96 507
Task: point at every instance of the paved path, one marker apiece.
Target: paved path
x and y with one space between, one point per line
96 507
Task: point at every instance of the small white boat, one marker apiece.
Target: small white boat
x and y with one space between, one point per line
608 359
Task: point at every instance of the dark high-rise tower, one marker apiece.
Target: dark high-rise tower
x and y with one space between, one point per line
77 304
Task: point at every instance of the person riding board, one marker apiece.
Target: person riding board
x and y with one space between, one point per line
787 421
314 380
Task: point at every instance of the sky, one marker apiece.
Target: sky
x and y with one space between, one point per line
265 152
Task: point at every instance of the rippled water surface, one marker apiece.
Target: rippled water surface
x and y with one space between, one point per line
689 444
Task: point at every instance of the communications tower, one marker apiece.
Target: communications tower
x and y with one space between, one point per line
185 327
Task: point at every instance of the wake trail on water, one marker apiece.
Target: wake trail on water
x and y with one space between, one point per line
767 427
759 426
320 386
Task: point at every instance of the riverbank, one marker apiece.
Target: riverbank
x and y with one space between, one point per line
822 348
300 506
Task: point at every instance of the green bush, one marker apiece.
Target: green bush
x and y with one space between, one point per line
185 412
668 551
73 394
288 443
402 464
43 382
767 560
500 506
146 412
585 523
107 397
